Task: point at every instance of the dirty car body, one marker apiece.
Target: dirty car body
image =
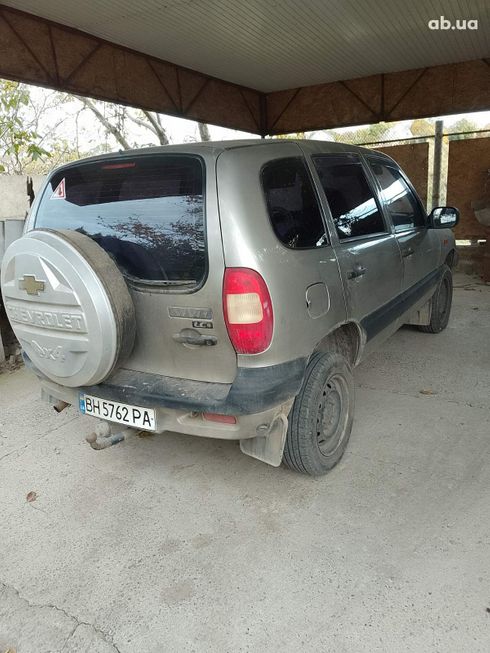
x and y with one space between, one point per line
247 264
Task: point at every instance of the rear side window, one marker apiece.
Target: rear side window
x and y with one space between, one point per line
146 212
292 204
353 206
398 198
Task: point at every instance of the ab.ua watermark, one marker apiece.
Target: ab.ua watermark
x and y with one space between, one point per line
443 23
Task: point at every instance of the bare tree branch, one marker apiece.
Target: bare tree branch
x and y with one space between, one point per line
153 124
141 123
157 127
108 126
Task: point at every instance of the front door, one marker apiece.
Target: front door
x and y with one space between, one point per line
367 250
419 246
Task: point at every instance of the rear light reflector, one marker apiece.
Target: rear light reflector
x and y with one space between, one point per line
247 308
216 417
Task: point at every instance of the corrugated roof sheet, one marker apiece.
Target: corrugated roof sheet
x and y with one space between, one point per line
277 44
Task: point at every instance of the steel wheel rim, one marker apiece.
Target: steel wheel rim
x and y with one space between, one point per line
332 415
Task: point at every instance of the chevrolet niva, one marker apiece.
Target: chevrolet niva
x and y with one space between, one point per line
225 290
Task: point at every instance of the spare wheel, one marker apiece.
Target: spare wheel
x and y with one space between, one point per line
68 305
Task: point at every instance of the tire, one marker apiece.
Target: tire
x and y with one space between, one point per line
68 305
441 304
316 438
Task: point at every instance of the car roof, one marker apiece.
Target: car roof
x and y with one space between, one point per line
214 148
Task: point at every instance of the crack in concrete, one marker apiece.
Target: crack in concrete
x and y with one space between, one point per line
73 631
28 444
78 622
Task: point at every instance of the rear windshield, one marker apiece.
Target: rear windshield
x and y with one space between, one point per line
147 213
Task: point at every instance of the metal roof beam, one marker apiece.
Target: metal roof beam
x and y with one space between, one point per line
434 91
38 51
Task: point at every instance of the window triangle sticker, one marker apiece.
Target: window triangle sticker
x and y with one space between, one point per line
59 191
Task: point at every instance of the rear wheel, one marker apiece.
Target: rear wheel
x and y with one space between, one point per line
440 304
320 421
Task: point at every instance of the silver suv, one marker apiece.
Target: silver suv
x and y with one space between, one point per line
225 290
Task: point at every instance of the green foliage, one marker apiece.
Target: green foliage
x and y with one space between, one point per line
295 135
422 127
461 127
369 134
19 142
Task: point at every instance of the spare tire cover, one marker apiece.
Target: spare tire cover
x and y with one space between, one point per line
68 305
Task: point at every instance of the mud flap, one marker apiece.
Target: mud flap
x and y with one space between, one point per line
269 447
422 316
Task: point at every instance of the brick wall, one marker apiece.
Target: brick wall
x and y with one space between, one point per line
413 158
469 162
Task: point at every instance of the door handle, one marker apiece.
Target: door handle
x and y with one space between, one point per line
407 252
357 271
195 339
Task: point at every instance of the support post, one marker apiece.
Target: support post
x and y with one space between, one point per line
436 170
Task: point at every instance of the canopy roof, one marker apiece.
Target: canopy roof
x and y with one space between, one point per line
259 65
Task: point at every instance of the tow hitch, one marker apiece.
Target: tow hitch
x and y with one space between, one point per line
103 437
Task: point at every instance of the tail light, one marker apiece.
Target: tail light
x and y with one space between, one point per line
248 311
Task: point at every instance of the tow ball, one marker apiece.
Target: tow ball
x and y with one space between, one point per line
102 437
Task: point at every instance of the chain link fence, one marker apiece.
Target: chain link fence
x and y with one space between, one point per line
387 135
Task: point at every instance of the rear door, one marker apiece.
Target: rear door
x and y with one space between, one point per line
366 248
156 215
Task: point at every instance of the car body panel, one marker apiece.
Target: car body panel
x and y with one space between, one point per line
311 292
249 241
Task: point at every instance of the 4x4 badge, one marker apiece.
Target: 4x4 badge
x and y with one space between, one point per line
31 285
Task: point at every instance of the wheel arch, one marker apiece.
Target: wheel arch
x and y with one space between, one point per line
451 259
347 338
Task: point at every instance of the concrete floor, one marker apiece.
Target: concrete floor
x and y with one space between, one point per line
173 543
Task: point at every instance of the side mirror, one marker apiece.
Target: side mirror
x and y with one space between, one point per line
444 217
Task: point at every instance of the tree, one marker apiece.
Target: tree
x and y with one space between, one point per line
462 127
370 134
114 119
204 131
422 127
41 129
19 141
294 136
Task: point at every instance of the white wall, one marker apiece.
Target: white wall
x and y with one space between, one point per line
14 202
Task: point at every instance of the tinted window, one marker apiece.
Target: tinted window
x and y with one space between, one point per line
401 203
350 198
147 213
292 204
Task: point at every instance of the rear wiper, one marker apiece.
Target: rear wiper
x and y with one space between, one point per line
167 282
161 282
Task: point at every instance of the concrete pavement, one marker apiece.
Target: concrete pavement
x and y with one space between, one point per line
174 543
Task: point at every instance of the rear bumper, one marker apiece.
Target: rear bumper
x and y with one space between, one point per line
254 390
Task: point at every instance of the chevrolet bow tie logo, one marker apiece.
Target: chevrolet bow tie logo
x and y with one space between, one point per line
31 285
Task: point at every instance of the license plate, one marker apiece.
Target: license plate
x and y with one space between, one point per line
113 411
